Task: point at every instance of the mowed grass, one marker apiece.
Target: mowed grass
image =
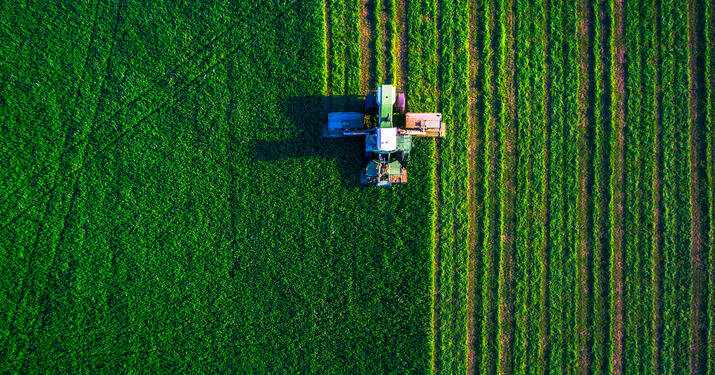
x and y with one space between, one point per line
167 202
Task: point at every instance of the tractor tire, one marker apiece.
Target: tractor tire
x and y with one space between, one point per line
370 104
400 104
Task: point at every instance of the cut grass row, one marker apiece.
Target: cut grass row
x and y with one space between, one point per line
676 269
490 57
639 32
454 209
422 83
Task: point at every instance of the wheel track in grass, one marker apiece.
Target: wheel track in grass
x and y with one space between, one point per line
161 80
66 207
618 142
698 179
169 100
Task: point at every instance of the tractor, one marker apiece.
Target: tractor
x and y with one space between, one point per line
387 146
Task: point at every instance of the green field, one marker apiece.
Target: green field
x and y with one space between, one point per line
167 202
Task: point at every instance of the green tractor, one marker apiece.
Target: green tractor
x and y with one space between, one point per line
386 145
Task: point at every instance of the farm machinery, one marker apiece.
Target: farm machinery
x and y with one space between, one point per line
387 146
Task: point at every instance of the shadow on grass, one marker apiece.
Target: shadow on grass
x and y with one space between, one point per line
308 114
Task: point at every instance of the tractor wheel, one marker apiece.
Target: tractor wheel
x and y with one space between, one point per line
370 104
400 103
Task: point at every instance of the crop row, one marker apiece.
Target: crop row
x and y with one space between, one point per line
490 57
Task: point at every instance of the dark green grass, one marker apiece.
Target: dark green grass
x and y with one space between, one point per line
193 220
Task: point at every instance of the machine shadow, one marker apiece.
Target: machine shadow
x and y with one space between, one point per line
308 115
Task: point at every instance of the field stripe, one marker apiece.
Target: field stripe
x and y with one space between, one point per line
555 305
675 196
492 207
400 44
524 217
508 93
545 242
618 123
657 267
327 35
698 178
710 87
476 175
584 208
368 51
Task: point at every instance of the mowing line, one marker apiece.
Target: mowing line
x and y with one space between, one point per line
710 72
368 50
656 272
508 91
544 303
492 160
600 319
400 46
585 179
698 177
328 54
476 208
525 200
618 118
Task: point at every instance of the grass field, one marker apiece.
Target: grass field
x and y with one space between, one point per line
167 202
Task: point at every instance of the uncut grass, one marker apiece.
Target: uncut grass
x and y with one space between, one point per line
201 241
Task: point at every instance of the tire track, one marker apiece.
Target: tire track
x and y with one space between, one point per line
164 80
156 81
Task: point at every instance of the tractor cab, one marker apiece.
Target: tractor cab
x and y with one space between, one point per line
387 145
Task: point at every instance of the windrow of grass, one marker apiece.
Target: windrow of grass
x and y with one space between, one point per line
524 185
530 200
601 151
454 177
638 205
507 91
618 82
422 84
572 169
558 301
709 129
676 203
487 317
